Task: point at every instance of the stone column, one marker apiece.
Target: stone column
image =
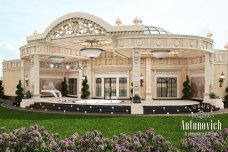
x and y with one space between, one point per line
148 79
209 75
34 79
136 72
80 75
89 76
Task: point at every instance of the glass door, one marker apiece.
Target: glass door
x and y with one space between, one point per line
72 86
109 88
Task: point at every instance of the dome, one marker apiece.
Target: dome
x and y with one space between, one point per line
154 30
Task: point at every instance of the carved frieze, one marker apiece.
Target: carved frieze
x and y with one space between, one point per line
48 50
220 57
185 42
75 27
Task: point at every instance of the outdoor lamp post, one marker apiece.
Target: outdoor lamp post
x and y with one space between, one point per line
26 79
141 80
221 79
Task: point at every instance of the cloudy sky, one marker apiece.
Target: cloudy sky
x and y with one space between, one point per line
19 18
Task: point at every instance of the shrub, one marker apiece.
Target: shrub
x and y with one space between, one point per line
140 141
213 96
19 92
85 89
131 91
33 138
28 94
1 90
136 99
36 138
226 98
187 89
63 89
209 142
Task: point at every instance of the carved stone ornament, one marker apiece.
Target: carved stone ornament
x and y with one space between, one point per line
136 56
76 27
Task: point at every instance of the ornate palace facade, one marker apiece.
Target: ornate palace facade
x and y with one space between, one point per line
150 60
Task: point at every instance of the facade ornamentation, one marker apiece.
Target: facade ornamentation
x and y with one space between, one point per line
126 49
76 27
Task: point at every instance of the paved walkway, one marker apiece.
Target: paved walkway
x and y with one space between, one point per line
9 104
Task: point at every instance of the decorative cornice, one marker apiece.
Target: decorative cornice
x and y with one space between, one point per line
170 41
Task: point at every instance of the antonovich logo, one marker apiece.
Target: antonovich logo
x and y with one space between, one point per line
198 123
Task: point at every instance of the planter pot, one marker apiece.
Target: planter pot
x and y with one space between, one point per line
215 102
136 101
26 103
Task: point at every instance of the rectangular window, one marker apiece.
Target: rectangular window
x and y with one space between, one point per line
98 87
122 87
166 87
72 86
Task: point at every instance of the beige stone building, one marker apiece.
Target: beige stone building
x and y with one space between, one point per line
115 59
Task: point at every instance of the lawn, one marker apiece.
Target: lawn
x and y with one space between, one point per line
66 124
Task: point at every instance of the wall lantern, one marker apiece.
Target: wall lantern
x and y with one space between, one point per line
26 79
221 79
141 80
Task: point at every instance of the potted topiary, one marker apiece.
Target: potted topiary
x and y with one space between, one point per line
186 90
85 89
136 99
64 87
28 95
19 92
131 91
215 101
213 96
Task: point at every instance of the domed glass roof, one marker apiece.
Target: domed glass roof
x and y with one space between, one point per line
154 30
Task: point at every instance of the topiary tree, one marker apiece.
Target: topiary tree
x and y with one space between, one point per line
64 87
19 92
136 99
187 89
1 90
85 89
131 91
226 98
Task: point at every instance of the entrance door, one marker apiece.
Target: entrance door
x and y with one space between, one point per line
73 86
109 88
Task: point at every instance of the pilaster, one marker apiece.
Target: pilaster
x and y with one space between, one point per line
89 76
22 75
209 75
80 75
148 79
136 72
35 75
